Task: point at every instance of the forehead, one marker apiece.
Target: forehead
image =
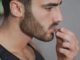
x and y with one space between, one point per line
46 1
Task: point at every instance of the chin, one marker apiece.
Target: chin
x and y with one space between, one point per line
46 38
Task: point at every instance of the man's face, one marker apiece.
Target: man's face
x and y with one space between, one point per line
42 18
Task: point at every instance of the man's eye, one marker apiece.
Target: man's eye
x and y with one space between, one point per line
48 8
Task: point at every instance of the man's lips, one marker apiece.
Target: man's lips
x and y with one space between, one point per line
52 30
53 27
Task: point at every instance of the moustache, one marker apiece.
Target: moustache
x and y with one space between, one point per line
54 25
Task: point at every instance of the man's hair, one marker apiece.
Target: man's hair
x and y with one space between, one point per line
6 5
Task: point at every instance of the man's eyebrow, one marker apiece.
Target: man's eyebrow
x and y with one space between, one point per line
52 4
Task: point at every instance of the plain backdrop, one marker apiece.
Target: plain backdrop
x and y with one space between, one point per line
71 13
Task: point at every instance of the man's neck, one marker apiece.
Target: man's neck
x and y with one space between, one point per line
13 38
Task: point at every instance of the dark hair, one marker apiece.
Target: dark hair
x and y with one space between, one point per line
6 5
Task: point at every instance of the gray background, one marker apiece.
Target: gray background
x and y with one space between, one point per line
71 13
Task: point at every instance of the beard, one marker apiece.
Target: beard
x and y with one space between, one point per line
31 27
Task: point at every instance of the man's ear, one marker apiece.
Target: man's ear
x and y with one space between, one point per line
16 8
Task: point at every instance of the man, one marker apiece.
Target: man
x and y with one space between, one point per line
25 19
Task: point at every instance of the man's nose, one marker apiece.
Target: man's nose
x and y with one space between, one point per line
56 15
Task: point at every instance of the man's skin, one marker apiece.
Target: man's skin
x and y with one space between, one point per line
41 22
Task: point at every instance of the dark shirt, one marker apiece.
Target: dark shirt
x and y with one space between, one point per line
6 55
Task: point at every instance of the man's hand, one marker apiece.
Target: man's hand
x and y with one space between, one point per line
67 44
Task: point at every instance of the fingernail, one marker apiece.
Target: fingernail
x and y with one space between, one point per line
57 33
62 29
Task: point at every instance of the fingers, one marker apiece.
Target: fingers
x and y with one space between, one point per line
66 31
66 53
67 46
63 36
67 36
67 43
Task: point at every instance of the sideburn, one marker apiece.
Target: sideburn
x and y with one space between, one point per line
29 24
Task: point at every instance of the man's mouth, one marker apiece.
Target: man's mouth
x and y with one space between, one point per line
53 27
51 30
